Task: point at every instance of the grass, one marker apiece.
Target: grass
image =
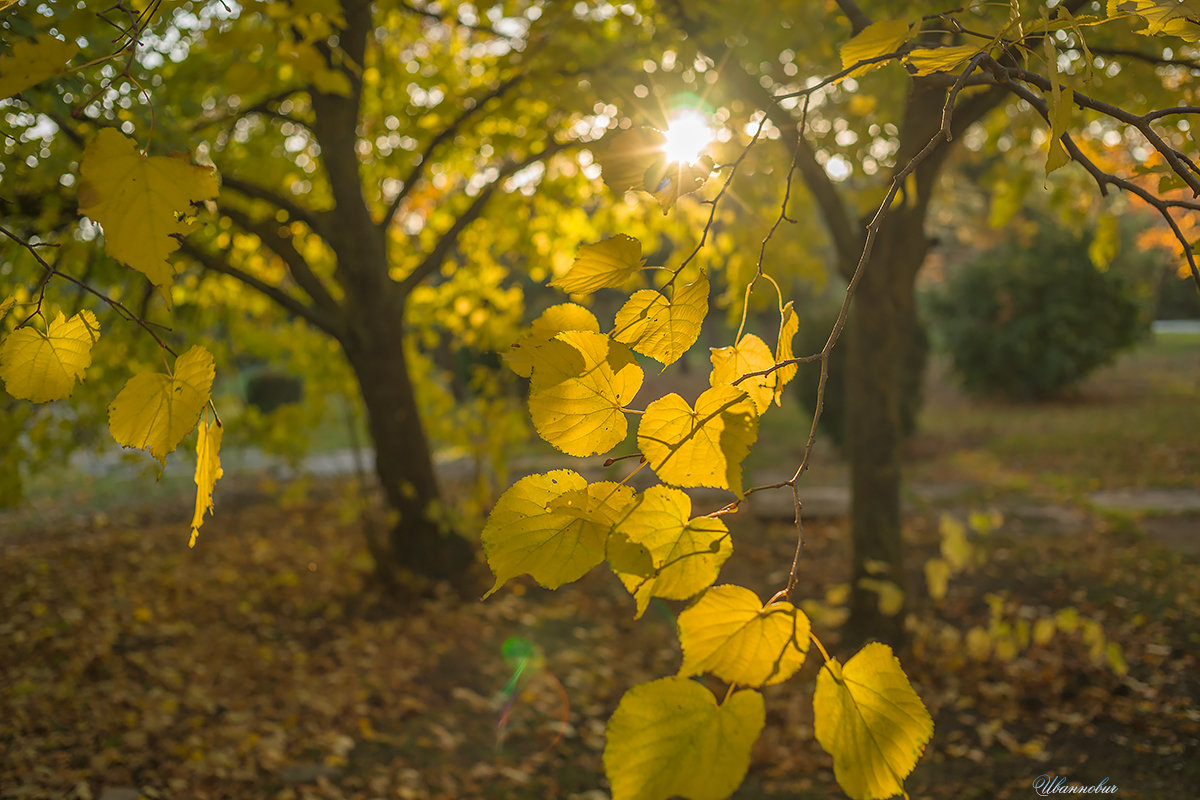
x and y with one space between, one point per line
1130 425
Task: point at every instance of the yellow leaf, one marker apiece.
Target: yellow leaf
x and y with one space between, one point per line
979 644
956 550
867 716
626 157
581 382
140 202
669 738
891 596
30 63
1043 631
155 410
553 527
750 354
877 39
672 181
6 306
729 634
1170 17
551 322
700 447
40 366
789 325
928 60
208 472
661 329
937 577
686 554
1105 244
602 265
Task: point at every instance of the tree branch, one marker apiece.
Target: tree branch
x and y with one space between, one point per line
1105 179
447 241
314 316
1147 58
447 133
857 17
297 265
318 221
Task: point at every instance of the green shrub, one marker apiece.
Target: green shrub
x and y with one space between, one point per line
814 331
1028 322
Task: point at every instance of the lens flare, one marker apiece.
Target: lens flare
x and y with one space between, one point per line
688 133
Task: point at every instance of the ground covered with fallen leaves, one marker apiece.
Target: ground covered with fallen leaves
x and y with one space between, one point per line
263 663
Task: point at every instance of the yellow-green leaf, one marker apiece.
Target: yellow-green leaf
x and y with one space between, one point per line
6 306
686 554
729 634
30 63
877 39
928 60
41 366
867 716
663 329
602 265
551 322
789 325
626 157
142 203
1170 17
208 472
553 527
669 738
750 354
937 577
155 410
704 446
581 382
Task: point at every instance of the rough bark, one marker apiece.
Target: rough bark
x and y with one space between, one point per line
417 540
882 326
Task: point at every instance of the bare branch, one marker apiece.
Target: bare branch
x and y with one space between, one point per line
1105 179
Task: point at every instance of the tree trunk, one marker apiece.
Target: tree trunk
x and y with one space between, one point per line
418 541
882 327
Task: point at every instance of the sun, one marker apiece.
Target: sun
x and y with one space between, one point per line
687 135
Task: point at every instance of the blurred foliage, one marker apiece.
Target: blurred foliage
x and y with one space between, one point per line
1029 320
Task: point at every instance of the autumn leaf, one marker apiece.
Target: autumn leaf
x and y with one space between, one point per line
626 157
551 322
208 472
155 410
674 180
142 203
750 354
6 306
928 60
867 716
1170 17
32 62
39 366
602 265
686 554
580 385
789 325
704 446
663 329
669 738
729 634
552 526
877 39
